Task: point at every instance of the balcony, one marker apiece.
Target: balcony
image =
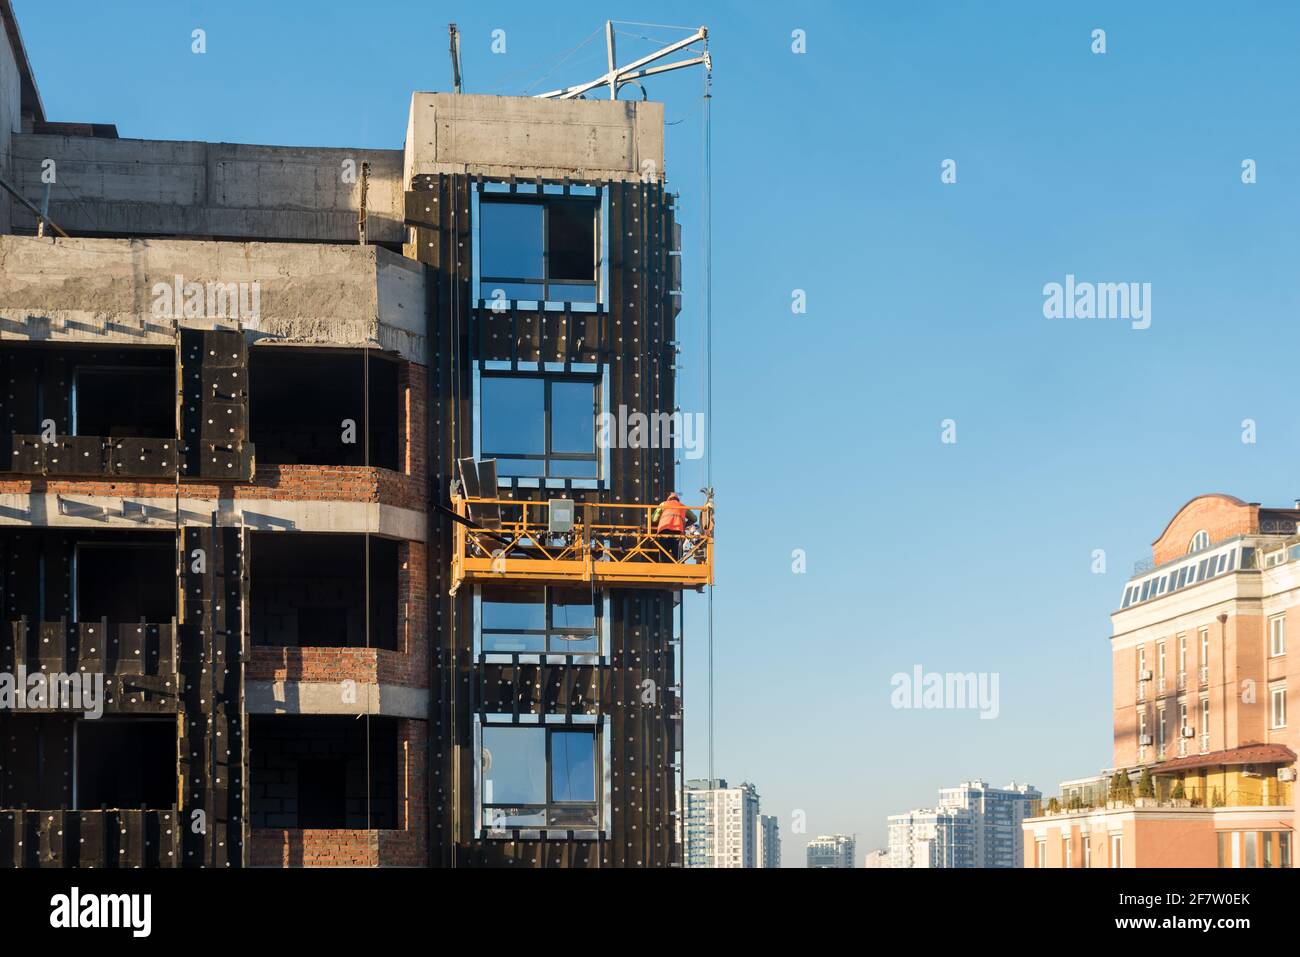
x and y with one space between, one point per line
611 545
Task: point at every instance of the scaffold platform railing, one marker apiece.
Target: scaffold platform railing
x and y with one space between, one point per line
609 544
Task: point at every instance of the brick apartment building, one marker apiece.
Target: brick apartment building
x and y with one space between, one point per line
1203 681
265 455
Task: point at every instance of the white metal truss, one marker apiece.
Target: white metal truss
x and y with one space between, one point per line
637 69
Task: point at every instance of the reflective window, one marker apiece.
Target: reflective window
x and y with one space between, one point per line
539 426
540 619
542 249
539 777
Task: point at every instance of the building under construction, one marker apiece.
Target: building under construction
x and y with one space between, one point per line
302 467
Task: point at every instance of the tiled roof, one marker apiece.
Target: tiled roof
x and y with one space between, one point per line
1249 754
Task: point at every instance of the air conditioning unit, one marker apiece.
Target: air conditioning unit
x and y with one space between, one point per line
1189 732
1286 774
1144 740
1145 674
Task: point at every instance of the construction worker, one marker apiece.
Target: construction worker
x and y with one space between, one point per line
671 517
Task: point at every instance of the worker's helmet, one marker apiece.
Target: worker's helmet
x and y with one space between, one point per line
674 495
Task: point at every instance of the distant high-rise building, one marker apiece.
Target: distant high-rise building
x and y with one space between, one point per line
721 824
932 837
877 858
974 825
769 841
832 850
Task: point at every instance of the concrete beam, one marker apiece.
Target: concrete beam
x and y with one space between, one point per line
502 136
130 187
123 291
50 510
332 697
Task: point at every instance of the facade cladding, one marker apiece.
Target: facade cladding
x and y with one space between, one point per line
239 516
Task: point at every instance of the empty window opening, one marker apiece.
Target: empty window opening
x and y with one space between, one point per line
125 581
540 426
89 391
307 407
542 248
309 772
308 589
540 619
123 401
539 777
126 763
37 767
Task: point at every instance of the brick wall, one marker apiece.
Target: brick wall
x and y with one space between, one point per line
1220 515
403 846
408 666
412 439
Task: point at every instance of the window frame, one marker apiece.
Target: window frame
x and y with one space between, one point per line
540 196
1276 631
601 765
1276 695
548 454
1200 541
601 631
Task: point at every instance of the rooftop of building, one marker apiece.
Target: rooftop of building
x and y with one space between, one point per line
1210 536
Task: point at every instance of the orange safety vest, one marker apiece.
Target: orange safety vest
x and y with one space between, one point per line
672 517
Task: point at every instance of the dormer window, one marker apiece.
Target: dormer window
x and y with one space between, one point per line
1200 540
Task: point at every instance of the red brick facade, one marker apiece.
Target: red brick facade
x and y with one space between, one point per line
404 847
1222 516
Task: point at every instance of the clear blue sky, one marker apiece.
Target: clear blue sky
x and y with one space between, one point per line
924 303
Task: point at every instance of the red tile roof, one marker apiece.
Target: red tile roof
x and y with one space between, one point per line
1249 754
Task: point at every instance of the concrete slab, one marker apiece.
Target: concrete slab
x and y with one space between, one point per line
51 510
125 291
503 136
235 191
331 697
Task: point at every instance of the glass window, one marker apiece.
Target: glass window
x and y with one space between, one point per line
1283 849
538 777
1200 540
1277 635
540 619
573 766
514 766
539 426
539 250
514 415
511 241
1277 695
